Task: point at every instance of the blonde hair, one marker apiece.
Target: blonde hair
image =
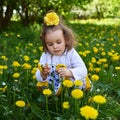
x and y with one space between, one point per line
67 33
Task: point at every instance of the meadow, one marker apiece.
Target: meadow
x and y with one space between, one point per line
20 98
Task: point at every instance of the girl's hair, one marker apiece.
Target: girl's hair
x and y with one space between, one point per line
67 33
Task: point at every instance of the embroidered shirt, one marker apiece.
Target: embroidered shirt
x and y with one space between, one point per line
69 58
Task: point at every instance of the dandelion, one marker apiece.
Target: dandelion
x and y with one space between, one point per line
16 64
88 112
66 105
95 50
77 93
1 67
51 19
41 85
40 67
20 103
97 69
4 58
33 71
60 65
47 92
16 75
117 68
5 67
36 61
3 89
99 99
95 77
78 83
26 58
41 48
18 35
93 60
26 66
68 83
103 53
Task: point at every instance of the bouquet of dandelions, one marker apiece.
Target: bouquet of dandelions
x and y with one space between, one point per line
71 102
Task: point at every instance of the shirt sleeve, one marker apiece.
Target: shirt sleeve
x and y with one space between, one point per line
78 69
42 62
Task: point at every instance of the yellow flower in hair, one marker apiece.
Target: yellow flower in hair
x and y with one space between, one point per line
51 19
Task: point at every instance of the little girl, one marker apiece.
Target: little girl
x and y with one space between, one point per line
58 45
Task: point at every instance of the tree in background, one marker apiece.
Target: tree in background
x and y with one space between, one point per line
30 11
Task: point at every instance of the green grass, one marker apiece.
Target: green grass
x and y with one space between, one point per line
18 42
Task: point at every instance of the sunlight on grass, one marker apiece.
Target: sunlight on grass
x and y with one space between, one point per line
109 21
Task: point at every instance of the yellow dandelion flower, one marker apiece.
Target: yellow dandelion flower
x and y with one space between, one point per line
47 92
103 53
68 83
93 60
34 70
40 67
60 65
4 58
77 93
41 84
78 83
95 50
51 19
20 103
115 58
117 68
16 75
88 112
1 67
94 77
105 65
36 61
99 99
66 105
26 66
26 58
97 69
5 67
41 49
18 35
16 64
3 89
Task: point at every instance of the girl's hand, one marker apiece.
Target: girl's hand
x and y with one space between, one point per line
64 72
45 71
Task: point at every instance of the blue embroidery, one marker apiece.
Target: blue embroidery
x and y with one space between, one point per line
54 78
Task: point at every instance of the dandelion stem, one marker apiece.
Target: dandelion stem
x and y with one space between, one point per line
47 108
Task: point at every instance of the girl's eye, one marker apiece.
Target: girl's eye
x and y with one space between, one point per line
59 42
49 44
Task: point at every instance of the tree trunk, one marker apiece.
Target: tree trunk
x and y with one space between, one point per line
5 20
8 15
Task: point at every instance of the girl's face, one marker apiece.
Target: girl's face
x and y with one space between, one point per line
55 42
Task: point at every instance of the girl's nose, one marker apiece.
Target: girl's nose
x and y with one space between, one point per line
55 46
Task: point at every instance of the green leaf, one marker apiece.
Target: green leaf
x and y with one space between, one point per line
37 110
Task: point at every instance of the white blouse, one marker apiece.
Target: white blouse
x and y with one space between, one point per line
69 58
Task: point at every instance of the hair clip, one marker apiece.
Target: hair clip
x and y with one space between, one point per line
51 19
